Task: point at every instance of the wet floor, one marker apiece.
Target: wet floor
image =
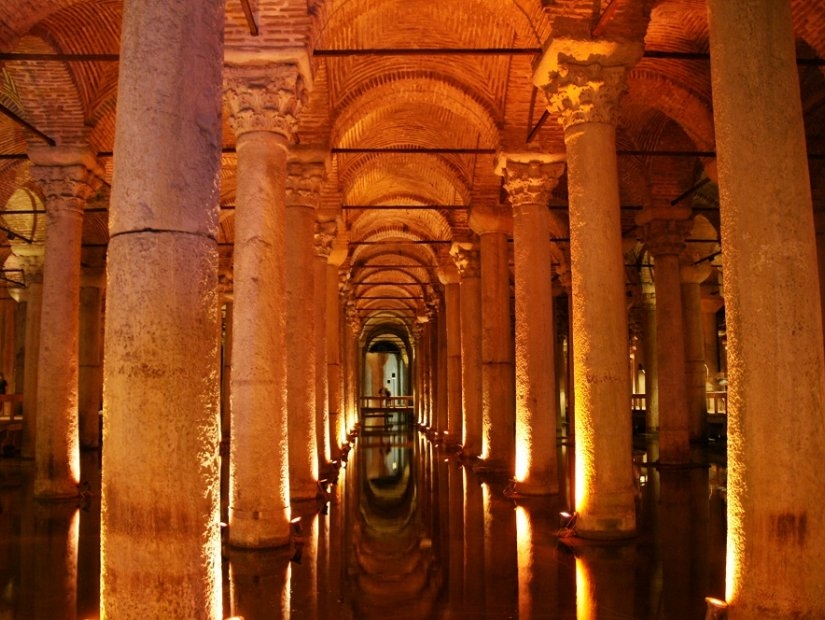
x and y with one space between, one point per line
408 531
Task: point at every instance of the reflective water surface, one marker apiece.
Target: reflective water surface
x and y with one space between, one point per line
407 531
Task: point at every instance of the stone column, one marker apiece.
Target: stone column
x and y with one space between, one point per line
529 180
466 259
90 378
497 347
352 361
304 178
31 261
8 346
710 330
448 275
776 517
264 102
695 370
68 178
322 247
160 530
334 326
650 357
664 232
586 97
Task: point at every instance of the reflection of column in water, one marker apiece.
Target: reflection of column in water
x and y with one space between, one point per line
55 562
455 535
304 568
473 546
604 578
259 583
88 560
500 555
676 544
538 593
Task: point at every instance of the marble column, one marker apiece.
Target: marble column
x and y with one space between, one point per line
493 225
664 230
710 331
160 530
264 101
322 247
334 326
466 259
776 517
586 98
650 356
692 277
90 356
529 180
68 178
31 261
304 177
448 275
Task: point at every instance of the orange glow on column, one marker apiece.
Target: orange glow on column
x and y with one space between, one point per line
584 464
523 448
584 592
735 537
524 539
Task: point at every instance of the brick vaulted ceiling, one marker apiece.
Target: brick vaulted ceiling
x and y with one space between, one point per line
412 98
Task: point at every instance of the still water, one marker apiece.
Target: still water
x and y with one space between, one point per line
408 531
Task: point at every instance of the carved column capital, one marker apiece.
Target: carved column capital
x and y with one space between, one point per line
66 187
324 238
664 229
584 80
467 259
529 178
265 98
303 183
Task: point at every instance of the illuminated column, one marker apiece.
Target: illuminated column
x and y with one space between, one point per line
352 386
225 336
337 410
264 102
529 180
586 97
448 275
692 276
776 517
651 359
466 259
324 237
304 177
160 532
90 356
31 261
664 231
497 372
68 177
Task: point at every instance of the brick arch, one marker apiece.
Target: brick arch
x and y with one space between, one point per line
18 18
390 223
48 96
426 176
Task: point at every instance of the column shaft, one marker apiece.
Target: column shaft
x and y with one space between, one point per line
452 309
33 296
90 378
300 341
775 355
161 468
471 394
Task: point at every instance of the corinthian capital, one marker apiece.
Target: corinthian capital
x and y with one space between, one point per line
584 80
324 238
67 176
303 183
529 178
466 257
264 98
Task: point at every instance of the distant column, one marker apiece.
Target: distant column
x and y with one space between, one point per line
322 247
493 225
665 229
90 378
695 370
448 275
776 517
68 178
264 101
334 327
466 259
650 355
586 97
529 179
31 261
304 177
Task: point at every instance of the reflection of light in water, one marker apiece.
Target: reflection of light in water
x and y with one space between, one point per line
522 450
584 592
524 537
